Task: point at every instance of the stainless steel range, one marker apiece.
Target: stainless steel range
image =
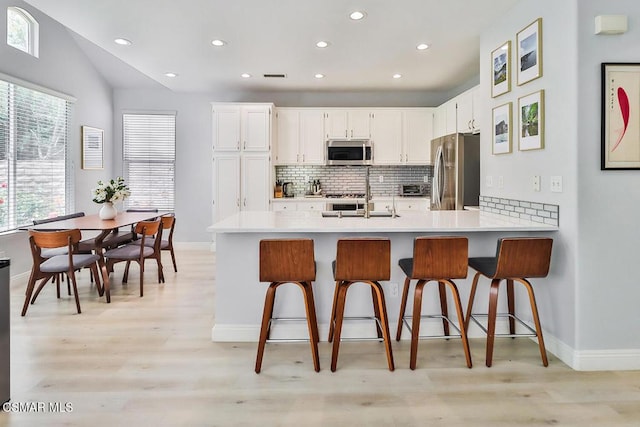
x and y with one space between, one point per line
345 202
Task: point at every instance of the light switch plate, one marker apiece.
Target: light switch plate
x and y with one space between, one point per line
500 181
381 179
535 181
556 184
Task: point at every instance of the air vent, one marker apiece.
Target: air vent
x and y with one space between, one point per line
274 76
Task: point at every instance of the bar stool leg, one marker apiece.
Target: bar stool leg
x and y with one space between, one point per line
264 328
463 332
511 307
403 307
376 312
415 322
443 306
472 296
491 319
536 320
385 322
332 319
341 297
312 323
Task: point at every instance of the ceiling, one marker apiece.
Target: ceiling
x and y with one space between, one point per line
279 36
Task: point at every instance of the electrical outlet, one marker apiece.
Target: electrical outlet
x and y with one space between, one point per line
381 179
394 290
500 181
488 181
556 184
535 182
425 178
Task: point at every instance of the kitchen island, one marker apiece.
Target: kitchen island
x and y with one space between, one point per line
240 296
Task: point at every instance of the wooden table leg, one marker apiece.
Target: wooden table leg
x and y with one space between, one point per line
103 266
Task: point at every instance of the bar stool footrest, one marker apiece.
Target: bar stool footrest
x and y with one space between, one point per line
508 315
375 319
405 321
287 319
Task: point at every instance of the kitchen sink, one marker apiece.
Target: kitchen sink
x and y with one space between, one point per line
357 214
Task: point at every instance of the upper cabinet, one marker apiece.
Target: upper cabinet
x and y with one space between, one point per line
300 136
347 124
402 136
468 108
241 127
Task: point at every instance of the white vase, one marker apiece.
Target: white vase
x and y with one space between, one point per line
107 211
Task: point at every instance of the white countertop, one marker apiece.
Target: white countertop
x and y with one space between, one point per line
434 221
347 199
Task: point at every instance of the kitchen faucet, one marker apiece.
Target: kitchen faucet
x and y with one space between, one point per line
367 193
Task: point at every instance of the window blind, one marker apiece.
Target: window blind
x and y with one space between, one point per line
149 160
34 180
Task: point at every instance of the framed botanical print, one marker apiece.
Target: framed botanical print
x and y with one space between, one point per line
501 136
531 112
529 45
501 70
620 125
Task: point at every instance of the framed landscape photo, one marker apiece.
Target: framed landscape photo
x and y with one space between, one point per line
501 129
531 111
620 125
529 45
501 70
92 148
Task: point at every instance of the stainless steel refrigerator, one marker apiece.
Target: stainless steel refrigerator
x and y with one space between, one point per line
456 171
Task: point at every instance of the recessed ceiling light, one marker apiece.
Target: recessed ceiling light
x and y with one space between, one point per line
397 76
245 75
123 42
319 76
171 74
357 15
422 46
218 42
322 44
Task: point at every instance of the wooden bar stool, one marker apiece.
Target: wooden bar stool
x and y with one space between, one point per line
441 259
365 260
516 259
288 261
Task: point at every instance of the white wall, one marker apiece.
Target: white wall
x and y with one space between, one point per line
62 67
556 295
609 201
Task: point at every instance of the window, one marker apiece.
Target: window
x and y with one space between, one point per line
34 181
22 30
149 160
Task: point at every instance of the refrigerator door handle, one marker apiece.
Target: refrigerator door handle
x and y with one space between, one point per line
439 177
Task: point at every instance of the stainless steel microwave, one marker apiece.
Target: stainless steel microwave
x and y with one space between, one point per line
414 189
349 153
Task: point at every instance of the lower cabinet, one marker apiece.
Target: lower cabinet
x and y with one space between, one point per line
403 205
311 206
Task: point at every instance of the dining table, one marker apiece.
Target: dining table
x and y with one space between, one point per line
104 227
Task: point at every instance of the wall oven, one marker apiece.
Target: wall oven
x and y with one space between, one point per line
349 153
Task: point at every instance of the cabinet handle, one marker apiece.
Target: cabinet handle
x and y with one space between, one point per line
244 202
245 145
473 124
351 133
406 157
238 145
303 158
400 156
297 158
346 134
238 202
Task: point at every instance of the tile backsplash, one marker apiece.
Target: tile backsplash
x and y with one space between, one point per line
533 211
351 179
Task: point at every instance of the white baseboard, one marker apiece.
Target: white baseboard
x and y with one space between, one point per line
606 360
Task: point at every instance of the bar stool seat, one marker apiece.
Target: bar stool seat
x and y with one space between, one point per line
439 259
288 261
517 259
364 260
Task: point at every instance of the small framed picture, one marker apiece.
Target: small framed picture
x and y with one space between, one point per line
92 148
529 44
501 70
620 121
502 129
531 108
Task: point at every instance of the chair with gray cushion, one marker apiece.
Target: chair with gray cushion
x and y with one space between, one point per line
46 268
139 252
168 223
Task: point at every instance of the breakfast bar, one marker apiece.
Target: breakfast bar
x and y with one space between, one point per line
240 295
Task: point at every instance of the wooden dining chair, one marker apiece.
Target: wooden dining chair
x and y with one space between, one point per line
139 252
46 268
168 223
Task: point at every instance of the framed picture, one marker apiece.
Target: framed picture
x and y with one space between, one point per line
92 148
502 129
529 44
531 108
501 70
620 120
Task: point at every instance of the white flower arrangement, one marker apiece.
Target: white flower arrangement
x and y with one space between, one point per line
114 191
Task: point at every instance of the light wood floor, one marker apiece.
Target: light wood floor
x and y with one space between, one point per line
150 362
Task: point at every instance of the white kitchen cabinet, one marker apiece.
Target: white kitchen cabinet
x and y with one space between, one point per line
314 206
226 185
451 125
300 205
417 136
347 124
386 136
439 121
300 136
468 104
419 204
239 128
